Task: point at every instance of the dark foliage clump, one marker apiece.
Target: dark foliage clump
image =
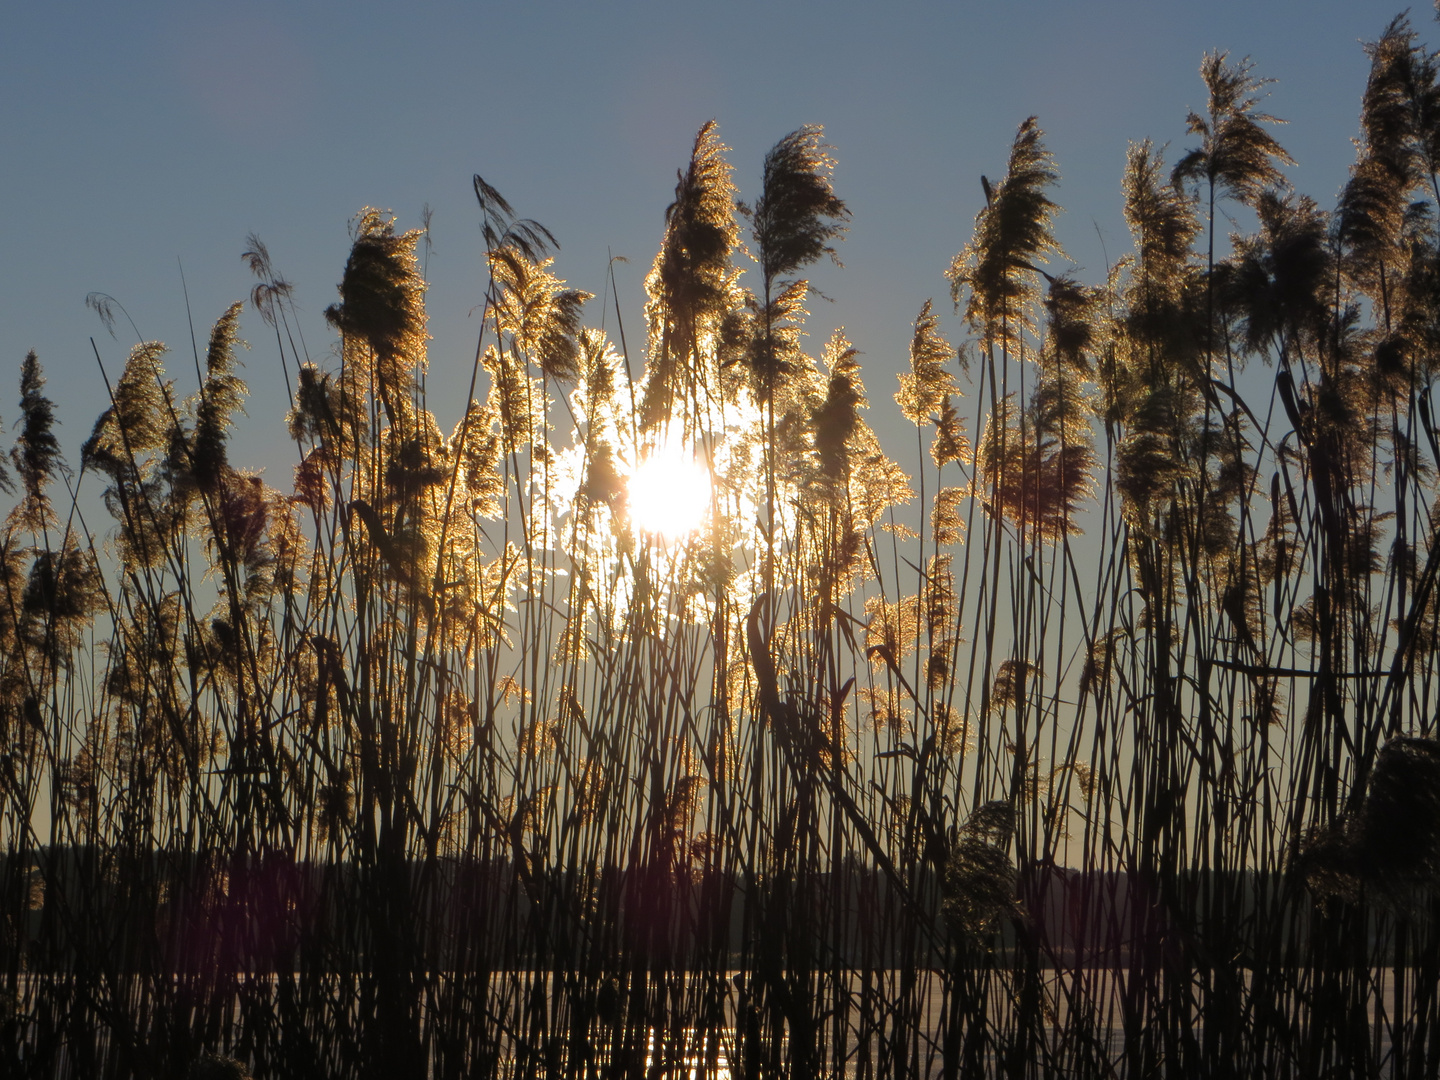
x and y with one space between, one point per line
1391 843
979 878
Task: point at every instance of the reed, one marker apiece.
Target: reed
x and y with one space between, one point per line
1097 740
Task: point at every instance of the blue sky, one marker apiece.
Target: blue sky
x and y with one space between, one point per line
143 136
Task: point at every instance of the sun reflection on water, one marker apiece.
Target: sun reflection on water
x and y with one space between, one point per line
692 1065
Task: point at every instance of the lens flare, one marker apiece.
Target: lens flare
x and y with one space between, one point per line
669 493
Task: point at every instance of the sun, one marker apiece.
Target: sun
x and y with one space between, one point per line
669 493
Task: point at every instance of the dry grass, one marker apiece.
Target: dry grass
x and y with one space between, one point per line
1109 754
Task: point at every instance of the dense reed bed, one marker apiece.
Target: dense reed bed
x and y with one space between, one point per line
1094 740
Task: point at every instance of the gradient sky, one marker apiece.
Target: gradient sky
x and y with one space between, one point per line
141 136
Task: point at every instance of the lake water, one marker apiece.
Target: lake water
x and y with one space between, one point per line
875 1024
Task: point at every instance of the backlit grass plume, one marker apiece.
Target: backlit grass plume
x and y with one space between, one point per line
792 224
36 455
995 275
692 290
928 384
220 396
381 308
1236 156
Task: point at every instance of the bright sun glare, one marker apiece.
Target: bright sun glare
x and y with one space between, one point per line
669 493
